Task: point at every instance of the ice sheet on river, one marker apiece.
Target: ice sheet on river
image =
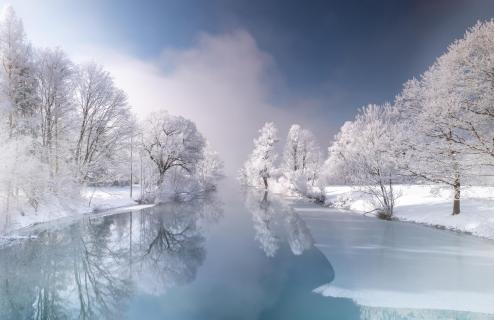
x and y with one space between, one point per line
401 265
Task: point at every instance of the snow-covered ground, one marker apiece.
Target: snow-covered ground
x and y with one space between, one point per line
104 198
93 199
439 300
396 270
426 204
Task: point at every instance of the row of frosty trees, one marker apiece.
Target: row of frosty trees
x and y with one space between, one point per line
439 129
64 126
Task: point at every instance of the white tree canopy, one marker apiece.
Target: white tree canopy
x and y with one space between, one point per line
261 163
364 154
172 142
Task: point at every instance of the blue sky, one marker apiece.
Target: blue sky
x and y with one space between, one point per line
313 62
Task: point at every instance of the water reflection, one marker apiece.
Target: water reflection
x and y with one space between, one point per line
170 247
275 221
152 264
90 269
259 261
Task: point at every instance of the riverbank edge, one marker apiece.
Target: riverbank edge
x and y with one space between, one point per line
415 206
25 232
93 202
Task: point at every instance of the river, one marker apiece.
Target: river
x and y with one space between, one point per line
244 254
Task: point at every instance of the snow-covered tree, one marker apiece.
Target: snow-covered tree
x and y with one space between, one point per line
301 156
429 109
467 72
449 114
17 83
172 141
310 155
291 153
103 116
334 170
18 129
69 126
55 108
261 163
210 169
364 153
180 162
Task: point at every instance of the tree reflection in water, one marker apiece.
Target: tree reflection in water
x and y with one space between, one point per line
170 247
98 269
91 269
275 221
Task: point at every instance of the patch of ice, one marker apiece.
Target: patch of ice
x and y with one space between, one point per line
430 300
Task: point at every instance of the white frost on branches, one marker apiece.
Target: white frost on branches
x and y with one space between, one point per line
260 166
64 126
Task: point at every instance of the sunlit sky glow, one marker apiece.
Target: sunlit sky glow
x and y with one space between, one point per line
231 65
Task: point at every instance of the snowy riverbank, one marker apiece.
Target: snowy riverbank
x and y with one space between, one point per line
93 199
429 205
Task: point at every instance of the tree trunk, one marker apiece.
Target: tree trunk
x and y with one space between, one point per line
141 179
265 180
456 200
161 179
131 165
56 146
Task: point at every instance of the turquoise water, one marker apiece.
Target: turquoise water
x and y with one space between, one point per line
243 254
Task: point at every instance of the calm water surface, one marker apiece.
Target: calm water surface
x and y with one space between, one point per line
244 254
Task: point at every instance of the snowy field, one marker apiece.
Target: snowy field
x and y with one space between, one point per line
425 204
94 199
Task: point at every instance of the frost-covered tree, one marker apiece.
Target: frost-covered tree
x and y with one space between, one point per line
177 159
210 169
172 141
467 72
63 123
364 154
21 184
103 116
428 110
17 83
69 126
18 128
55 108
261 163
301 156
291 153
310 155
334 170
449 114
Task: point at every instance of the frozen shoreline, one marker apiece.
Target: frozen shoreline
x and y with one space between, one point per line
93 200
426 205
401 270
432 301
422 204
